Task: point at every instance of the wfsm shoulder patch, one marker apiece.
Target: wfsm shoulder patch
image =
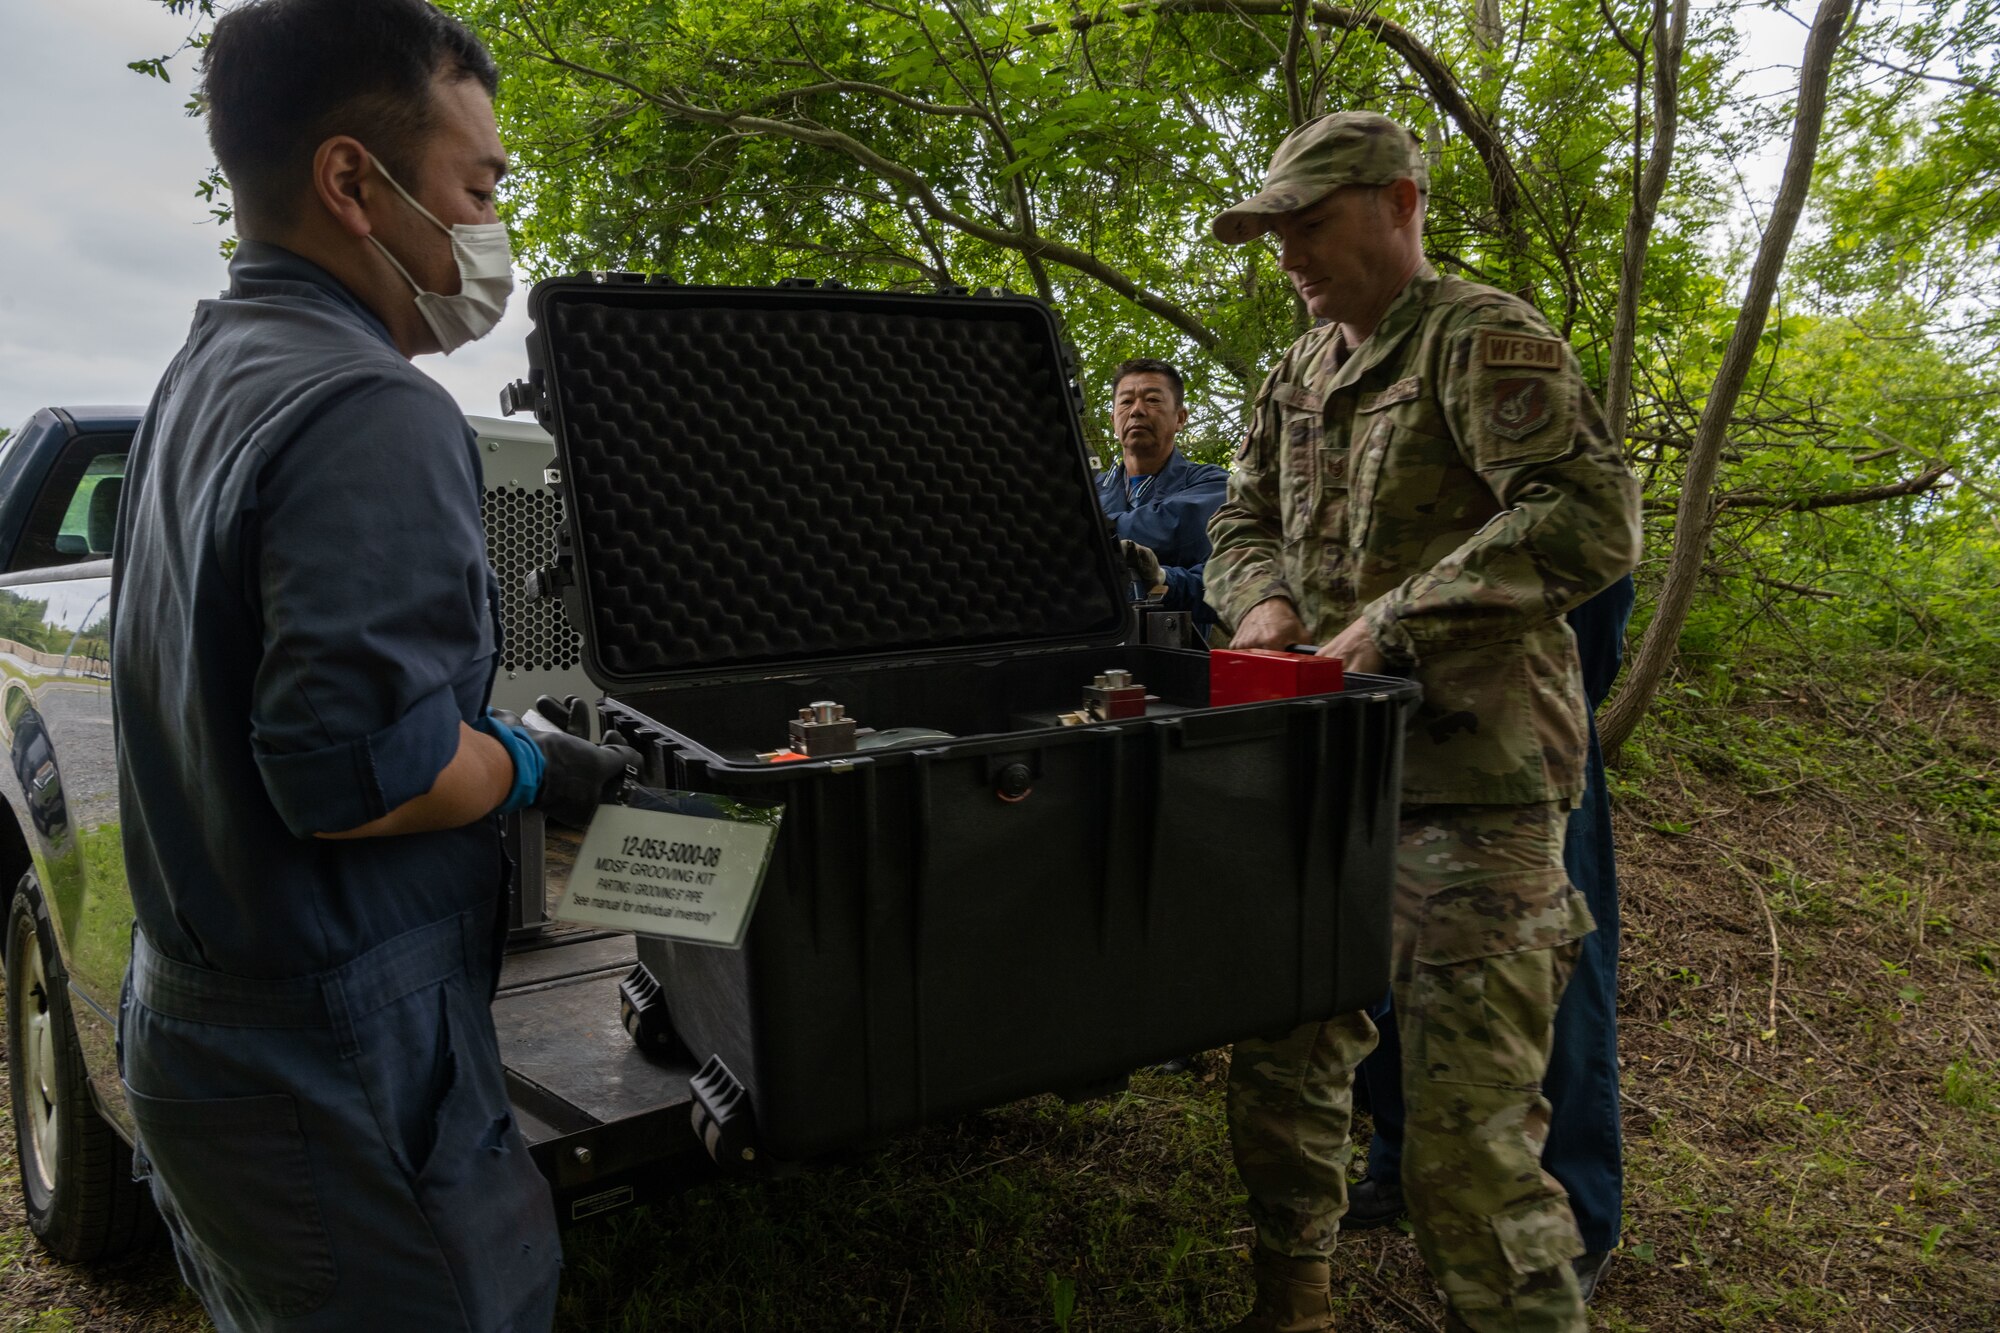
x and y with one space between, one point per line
1500 350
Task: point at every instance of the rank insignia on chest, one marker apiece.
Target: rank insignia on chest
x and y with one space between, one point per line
1519 407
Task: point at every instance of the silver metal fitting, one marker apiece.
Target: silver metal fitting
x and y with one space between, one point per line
1114 695
823 728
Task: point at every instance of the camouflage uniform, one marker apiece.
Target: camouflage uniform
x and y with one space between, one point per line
1486 936
1452 482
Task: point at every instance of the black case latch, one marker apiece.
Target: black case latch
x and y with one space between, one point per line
529 395
551 580
557 579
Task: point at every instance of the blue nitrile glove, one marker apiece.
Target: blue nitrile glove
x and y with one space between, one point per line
529 766
565 776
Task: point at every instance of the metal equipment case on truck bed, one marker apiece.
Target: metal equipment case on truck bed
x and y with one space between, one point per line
778 497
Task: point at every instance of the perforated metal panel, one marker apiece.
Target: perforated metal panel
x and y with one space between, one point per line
520 535
540 650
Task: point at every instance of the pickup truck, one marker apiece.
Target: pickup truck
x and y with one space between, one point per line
605 1111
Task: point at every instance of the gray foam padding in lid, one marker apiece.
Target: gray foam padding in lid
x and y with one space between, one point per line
821 479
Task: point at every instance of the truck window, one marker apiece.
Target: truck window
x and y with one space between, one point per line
74 515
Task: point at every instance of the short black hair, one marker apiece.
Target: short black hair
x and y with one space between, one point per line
1146 365
281 77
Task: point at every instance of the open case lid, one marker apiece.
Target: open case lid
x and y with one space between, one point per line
763 479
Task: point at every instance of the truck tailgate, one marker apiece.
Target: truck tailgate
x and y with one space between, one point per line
607 1124
569 1061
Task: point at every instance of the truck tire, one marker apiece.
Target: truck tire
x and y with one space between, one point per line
76 1173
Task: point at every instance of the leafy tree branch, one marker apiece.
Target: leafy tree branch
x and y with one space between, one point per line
911 183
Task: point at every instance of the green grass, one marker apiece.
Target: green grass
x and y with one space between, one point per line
1972 1086
1119 1212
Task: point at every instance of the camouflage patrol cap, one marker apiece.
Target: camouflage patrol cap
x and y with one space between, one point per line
1346 148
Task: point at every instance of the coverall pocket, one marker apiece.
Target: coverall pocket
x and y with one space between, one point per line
1492 957
489 1205
407 1069
470 1109
240 1196
1537 1235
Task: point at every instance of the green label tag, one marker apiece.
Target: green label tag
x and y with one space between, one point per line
681 865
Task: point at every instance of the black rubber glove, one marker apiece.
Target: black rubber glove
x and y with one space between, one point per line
1144 567
569 713
580 776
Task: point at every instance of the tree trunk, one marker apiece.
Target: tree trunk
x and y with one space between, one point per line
1695 516
1488 35
1668 40
1295 40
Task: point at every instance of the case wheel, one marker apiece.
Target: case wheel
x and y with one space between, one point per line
76 1173
723 1119
643 1008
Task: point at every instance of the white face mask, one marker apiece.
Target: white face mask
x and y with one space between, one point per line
485 277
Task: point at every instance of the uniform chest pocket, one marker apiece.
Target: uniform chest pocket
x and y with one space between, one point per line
1378 419
1301 430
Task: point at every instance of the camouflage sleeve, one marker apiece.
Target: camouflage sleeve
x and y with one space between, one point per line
1246 533
1569 521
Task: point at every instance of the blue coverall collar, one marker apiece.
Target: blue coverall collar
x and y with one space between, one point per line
259 268
1116 486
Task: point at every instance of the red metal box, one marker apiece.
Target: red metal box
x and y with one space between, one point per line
1252 675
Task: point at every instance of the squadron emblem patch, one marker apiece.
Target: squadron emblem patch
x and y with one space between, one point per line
1519 408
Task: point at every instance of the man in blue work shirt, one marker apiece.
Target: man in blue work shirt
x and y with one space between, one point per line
1157 500
304 634
1585 1150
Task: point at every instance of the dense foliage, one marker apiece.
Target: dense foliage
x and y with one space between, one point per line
1014 145
1079 151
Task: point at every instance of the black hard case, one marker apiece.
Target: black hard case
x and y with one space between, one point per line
776 496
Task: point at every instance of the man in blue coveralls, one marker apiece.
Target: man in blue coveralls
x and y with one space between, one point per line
1585 1149
305 631
1157 500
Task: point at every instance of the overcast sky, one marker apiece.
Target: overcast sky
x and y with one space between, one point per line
104 247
